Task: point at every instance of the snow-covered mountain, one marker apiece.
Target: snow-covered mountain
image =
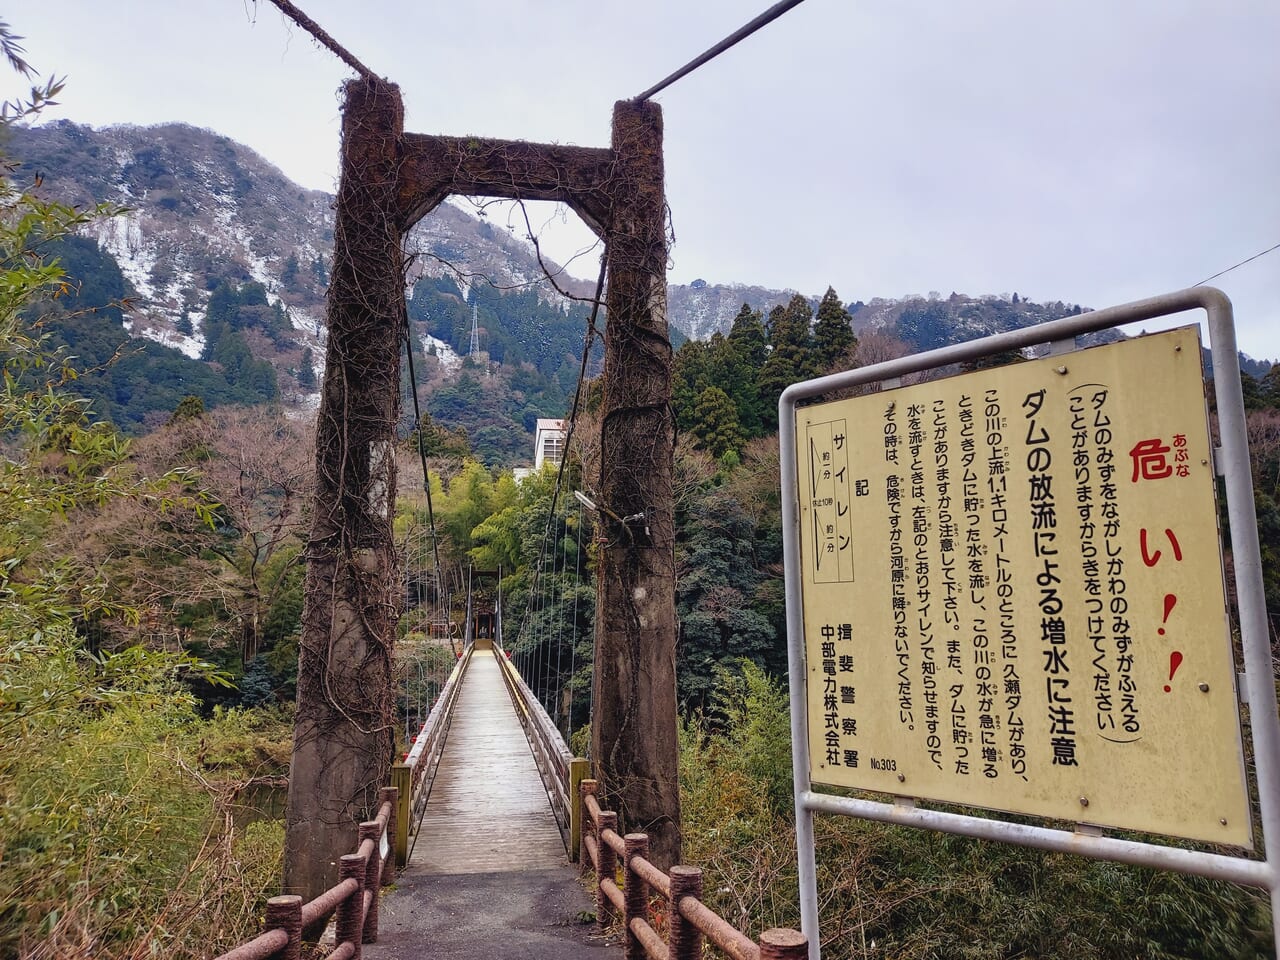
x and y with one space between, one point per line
202 211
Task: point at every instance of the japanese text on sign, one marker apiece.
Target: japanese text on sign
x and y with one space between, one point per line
1013 593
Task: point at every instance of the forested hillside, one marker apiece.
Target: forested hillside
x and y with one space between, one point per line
221 260
210 281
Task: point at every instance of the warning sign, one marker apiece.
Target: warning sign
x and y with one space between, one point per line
1013 593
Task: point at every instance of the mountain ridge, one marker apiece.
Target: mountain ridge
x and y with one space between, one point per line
205 214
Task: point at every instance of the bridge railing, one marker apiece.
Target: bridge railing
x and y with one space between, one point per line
352 901
689 920
561 772
413 775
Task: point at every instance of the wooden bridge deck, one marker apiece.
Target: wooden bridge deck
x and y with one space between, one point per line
488 875
488 810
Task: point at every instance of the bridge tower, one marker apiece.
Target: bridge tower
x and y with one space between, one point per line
343 732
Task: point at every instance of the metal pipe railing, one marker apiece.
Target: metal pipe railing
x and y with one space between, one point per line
353 901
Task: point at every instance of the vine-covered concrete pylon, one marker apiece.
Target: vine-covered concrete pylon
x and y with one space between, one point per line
343 733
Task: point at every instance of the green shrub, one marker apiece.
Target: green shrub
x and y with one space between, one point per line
119 806
909 894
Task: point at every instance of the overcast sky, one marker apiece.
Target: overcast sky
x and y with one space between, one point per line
1090 151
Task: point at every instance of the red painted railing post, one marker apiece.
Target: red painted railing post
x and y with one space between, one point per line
349 918
392 796
285 913
372 830
607 868
684 940
586 789
635 894
783 944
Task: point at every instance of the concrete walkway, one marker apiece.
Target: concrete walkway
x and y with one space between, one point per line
488 875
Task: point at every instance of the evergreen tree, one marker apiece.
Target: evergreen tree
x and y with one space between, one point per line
750 348
688 380
833 332
189 407
747 334
717 426
223 306
1270 385
306 372
1251 389
792 357
714 596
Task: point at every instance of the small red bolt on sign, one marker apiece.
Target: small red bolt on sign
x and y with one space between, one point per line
1175 661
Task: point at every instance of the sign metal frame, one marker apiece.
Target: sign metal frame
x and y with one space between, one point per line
1257 689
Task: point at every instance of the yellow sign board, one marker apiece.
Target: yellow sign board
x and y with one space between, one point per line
1013 593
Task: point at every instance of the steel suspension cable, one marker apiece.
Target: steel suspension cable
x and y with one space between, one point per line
422 457
544 623
573 418
549 680
440 602
573 649
560 681
770 15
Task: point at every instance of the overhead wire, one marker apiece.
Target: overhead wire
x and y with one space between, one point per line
1237 266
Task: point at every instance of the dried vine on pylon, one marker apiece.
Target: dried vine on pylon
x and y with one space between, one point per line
344 733
353 456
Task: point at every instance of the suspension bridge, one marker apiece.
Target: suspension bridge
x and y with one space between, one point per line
490 839
489 806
